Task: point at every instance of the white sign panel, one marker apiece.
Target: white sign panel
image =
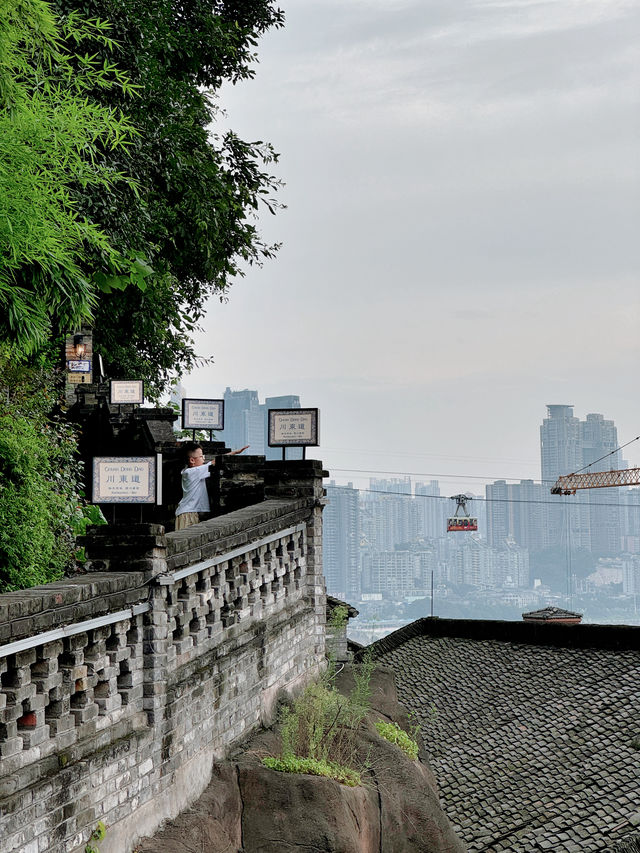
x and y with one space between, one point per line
202 414
124 479
293 427
79 366
127 391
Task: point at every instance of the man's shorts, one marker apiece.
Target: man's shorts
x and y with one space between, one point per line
186 519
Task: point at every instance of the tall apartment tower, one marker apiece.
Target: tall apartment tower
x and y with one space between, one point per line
587 519
560 450
389 513
432 510
243 420
515 512
599 438
341 541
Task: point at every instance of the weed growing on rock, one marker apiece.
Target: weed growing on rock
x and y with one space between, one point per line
394 734
294 764
321 725
98 834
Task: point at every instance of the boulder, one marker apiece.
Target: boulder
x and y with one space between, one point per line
249 808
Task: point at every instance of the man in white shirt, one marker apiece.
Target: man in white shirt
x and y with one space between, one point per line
195 498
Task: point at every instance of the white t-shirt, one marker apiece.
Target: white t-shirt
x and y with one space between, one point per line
195 497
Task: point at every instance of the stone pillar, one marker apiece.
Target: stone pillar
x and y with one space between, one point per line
302 478
74 360
294 478
126 548
239 481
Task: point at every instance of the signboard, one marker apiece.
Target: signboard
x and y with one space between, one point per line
127 391
127 479
79 366
202 414
293 428
78 378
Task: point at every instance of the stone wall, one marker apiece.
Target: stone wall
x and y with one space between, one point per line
119 688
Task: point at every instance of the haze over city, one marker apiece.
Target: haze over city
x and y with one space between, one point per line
462 198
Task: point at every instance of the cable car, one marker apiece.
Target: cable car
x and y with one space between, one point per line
461 521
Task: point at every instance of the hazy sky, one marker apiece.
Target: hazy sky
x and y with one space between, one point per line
460 245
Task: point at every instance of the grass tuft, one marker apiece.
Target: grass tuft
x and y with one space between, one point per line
394 734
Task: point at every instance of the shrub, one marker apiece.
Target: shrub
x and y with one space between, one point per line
294 764
321 726
394 734
39 478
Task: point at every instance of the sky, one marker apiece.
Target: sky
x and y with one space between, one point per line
460 241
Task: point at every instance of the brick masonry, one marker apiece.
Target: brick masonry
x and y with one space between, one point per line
119 689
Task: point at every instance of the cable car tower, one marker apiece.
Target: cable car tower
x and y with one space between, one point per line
461 521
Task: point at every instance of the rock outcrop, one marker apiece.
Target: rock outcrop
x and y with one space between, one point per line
248 808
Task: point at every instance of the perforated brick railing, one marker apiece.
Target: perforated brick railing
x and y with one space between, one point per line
119 688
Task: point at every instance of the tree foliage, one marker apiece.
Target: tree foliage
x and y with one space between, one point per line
193 215
38 480
51 135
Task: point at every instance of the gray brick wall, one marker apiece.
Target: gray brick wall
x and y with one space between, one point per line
119 689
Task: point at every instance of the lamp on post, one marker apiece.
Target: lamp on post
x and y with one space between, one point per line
79 346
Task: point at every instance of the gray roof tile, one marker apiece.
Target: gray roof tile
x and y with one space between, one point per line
531 744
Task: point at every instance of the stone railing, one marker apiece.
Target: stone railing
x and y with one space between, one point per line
119 689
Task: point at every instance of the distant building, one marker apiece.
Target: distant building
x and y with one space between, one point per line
243 420
630 519
395 574
432 510
341 540
177 393
246 422
631 574
389 514
515 511
588 519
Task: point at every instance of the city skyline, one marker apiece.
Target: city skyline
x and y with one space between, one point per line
389 545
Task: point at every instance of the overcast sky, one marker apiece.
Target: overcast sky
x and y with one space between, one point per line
460 245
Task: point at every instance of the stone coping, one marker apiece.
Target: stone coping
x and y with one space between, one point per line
248 522
43 608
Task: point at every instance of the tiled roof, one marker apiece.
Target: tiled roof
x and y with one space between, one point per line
535 745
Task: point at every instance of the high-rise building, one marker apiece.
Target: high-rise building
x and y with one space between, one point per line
243 420
515 512
599 438
341 541
394 574
630 513
568 445
177 392
500 521
390 514
560 448
432 510
246 422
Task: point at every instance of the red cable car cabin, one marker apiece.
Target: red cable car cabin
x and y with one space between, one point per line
457 524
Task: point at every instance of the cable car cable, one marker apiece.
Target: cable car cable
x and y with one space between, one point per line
492 500
611 452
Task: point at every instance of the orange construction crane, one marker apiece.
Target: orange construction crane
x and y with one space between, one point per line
569 484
